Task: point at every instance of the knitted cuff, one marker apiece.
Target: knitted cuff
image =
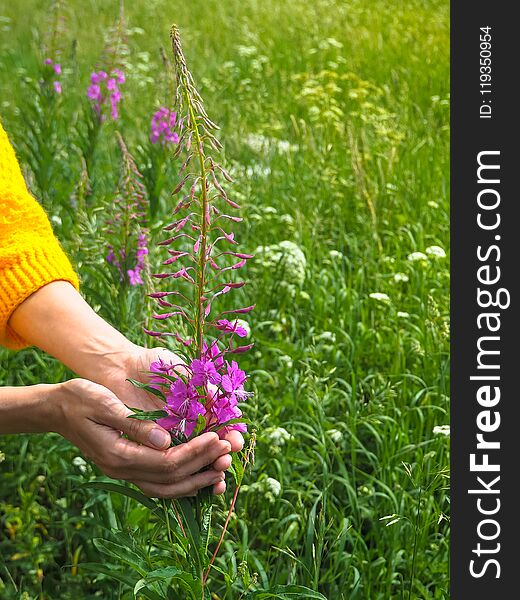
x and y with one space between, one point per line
27 273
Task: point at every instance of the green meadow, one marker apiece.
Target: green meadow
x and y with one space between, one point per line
334 120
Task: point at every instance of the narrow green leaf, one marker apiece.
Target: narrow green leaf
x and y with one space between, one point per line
285 591
151 415
148 388
126 491
122 553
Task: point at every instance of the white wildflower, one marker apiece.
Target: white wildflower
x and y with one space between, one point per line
441 430
402 314
335 255
436 252
285 257
380 297
273 486
401 278
417 256
286 361
247 50
256 141
327 336
258 170
278 436
80 462
335 435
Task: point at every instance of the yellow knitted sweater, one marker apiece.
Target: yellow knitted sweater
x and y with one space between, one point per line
30 255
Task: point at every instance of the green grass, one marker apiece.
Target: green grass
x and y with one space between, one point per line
360 91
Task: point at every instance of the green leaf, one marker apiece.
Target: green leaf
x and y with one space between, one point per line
285 591
220 426
104 570
206 529
186 510
158 575
126 491
237 467
125 555
148 388
199 427
151 415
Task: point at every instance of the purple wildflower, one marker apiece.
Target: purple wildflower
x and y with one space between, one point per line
204 372
162 128
233 382
56 69
104 90
183 408
213 353
227 327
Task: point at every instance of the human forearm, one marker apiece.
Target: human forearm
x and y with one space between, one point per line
29 409
58 320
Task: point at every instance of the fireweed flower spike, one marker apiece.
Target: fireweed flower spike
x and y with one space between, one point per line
104 92
54 70
204 263
128 249
162 127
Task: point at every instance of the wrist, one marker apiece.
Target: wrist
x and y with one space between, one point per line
50 411
106 360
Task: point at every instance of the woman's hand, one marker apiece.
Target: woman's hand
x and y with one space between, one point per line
92 418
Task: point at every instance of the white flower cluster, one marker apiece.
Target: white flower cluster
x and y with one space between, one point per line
268 487
277 436
285 257
433 252
259 143
442 430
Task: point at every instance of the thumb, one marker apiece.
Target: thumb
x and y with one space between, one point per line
147 433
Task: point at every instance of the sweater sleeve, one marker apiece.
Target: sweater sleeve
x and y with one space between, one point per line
30 255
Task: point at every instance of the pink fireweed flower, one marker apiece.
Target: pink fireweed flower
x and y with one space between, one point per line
233 382
134 275
183 408
213 353
204 372
162 128
103 91
158 368
227 327
56 70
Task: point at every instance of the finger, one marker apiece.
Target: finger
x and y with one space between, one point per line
187 487
132 461
143 432
222 463
219 488
198 453
236 440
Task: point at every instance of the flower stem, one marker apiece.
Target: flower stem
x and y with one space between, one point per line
247 459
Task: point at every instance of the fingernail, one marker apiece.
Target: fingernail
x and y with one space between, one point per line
158 438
